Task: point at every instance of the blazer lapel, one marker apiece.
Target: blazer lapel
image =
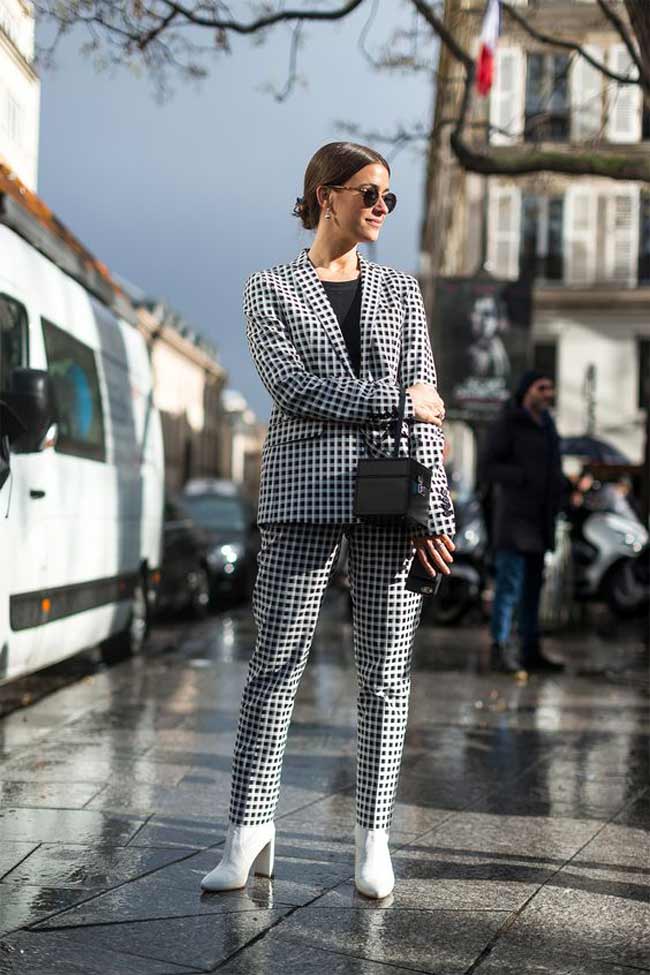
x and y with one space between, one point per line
371 284
314 294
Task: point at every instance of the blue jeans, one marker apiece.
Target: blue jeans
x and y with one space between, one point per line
519 581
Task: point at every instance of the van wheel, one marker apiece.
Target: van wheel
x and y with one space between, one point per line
130 641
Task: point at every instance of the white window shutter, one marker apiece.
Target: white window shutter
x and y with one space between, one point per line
622 238
504 230
507 95
623 101
579 235
586 95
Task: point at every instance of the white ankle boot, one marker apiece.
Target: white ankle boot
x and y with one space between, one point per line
373 870
245 846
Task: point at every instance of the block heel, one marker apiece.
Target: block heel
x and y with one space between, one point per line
263 863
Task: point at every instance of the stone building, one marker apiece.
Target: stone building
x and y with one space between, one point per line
585 241
19 91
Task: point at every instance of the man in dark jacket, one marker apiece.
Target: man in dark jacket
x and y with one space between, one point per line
522 463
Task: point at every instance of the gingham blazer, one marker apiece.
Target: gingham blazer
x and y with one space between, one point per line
324 418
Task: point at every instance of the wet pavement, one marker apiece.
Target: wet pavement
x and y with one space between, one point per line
520 838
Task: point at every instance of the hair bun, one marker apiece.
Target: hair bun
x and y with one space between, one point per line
299 206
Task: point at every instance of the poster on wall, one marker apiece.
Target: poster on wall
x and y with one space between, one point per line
481 342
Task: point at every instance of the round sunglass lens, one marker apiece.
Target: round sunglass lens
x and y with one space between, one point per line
370 196
391 201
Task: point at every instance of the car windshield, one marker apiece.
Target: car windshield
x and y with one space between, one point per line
216 512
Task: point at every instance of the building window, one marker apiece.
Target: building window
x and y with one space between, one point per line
644 373
644 238
73 370
14 349
541 252
547 98
545 359
14 120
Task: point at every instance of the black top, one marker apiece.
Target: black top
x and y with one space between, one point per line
345 297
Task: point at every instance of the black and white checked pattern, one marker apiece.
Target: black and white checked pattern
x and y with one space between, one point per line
295 562
325 418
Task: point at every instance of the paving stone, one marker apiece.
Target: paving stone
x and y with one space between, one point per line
636 813
59 865
68 769
11 854
562 920
428 941
451 880
273 954
66 953
549 840
65 795
506 959
558 793
67 826
20 906
143 799
174 891
201 941
184 831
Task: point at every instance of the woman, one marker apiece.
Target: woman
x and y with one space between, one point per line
335 339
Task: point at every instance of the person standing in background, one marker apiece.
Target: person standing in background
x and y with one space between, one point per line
521 462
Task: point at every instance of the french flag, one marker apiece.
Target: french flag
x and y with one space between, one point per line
489 36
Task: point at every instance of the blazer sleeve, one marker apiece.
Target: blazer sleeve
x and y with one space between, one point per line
296 391
426 440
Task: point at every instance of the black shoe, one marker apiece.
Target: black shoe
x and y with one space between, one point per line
505 659
537 661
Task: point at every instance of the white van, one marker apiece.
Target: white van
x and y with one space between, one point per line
81 468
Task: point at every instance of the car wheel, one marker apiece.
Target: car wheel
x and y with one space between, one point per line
130 641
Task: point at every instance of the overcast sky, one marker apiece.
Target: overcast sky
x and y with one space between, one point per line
187 198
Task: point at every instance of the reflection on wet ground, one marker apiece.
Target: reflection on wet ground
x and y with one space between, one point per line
520 837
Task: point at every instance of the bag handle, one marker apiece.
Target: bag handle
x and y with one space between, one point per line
399 422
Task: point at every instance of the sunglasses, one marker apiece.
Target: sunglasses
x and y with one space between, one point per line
370 195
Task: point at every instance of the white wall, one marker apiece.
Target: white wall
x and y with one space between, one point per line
611 346
19 92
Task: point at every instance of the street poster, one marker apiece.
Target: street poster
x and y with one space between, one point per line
481 342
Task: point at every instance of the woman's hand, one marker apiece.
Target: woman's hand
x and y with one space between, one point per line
427 405
434 552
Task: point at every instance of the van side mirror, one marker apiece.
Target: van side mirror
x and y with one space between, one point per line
27 408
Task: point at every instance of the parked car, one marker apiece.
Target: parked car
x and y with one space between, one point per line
228 518
184 575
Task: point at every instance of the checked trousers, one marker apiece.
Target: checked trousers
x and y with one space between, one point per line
294 565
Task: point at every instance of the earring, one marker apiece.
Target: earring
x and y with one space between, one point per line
328 214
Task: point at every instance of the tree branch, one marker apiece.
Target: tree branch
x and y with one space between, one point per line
519 160
445 35
239 27
620 26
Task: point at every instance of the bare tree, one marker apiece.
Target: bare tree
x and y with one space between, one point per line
164 36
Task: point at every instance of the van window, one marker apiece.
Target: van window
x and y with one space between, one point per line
73 370
13 338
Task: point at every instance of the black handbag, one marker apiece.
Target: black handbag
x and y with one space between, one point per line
393 488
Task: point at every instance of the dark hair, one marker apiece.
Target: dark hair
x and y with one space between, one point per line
333 163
